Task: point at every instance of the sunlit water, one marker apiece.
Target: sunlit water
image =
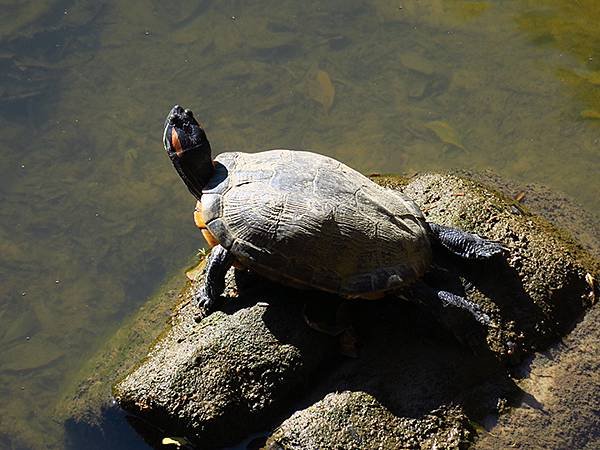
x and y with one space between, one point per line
93 216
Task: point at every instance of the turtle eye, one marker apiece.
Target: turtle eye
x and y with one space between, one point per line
175 121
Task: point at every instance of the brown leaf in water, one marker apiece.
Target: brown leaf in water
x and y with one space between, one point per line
520 196
321 89
445 133
590 114
592 77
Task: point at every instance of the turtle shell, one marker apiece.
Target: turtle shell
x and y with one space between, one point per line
308 220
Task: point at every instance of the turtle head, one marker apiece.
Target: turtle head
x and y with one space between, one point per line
187 145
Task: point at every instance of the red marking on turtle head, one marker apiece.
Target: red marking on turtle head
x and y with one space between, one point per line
175 144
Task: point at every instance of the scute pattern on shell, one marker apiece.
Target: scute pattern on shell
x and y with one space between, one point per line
311 221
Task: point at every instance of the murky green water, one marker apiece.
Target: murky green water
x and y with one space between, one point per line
93 216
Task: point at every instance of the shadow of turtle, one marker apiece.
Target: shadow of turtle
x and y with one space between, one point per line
406 360
528 324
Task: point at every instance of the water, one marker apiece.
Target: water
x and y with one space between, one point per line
93 216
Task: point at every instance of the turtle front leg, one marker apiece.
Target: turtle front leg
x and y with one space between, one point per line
463 244
218 263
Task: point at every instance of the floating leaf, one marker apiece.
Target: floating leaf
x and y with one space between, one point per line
30 356
592 77
321 89
520 196
417 62
590 280
445 133
590 114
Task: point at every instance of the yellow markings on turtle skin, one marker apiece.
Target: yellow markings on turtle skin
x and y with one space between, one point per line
199 221
210 239
175 142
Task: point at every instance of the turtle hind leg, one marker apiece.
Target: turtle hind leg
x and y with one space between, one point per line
462 317
466 245
217 264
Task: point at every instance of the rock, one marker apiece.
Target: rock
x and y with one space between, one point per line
238 370
223 377
357 420
554 207
565 380
537 296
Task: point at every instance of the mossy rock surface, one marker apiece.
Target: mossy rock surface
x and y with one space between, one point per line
540 290
220 378
250 365
357 420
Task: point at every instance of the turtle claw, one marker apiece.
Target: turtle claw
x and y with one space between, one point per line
466 245
486 248
204 300
218 263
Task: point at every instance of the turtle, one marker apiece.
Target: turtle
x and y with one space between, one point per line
309 221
